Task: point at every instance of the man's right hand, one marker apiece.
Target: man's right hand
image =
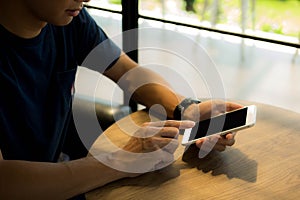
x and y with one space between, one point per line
149 149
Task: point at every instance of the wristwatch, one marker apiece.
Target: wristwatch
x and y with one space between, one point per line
179 109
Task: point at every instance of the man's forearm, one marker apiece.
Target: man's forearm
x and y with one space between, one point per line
152 94
37 180
145 86
149 88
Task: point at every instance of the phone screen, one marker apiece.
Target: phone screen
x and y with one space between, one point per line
219 124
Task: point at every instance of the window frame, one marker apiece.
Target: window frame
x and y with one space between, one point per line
130 16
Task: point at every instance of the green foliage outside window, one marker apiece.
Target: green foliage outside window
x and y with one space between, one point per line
276 16
115 1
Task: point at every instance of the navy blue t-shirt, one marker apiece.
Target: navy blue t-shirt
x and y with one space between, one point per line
36 81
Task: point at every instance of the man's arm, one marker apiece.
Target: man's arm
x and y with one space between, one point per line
149 88
132 79
37 180
145 86
41 180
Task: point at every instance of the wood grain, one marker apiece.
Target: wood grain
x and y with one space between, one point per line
264 163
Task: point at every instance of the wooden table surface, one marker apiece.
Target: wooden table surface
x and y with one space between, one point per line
264 163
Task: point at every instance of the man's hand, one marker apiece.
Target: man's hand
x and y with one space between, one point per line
204 111
215 142
208 109
150 148
157 135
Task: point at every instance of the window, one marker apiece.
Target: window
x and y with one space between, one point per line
276 19
259 57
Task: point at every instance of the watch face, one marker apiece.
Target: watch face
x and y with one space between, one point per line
186 102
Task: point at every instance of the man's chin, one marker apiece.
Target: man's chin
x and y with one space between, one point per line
62 22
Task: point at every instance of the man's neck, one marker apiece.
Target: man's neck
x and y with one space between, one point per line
17 21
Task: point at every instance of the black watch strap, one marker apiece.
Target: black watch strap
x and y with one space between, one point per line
179 109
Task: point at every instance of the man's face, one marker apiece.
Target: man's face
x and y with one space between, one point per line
57 12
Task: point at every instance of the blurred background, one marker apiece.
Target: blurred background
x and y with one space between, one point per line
252 16
250 69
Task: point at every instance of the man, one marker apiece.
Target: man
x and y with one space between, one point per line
41 44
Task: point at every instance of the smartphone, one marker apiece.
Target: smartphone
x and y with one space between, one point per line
222 124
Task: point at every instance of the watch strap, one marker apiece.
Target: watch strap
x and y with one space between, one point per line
179 109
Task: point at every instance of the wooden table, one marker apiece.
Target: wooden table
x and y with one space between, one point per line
264 163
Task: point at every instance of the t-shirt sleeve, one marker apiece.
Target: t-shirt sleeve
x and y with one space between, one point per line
95 50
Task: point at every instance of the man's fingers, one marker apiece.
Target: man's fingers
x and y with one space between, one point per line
154 143
206 145
172 123
233 106
169 128
219 147
217 143
150 131
161 134
228 140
